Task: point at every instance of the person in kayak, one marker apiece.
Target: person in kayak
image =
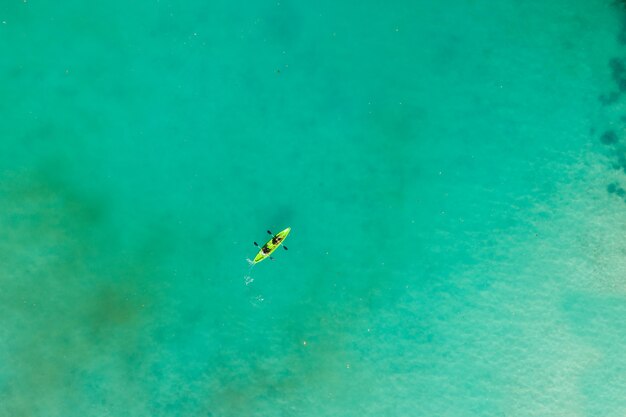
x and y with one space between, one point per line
275 239
265 249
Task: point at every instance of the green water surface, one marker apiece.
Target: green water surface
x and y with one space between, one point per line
452 173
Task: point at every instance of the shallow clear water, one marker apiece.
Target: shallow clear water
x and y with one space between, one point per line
452 174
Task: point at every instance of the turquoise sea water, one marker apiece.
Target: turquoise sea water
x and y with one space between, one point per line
453 174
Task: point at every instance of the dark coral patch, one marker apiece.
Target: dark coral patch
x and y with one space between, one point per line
607 99
611 188
614 188
609 137
618 70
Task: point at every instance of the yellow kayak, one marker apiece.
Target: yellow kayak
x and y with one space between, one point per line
271 245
